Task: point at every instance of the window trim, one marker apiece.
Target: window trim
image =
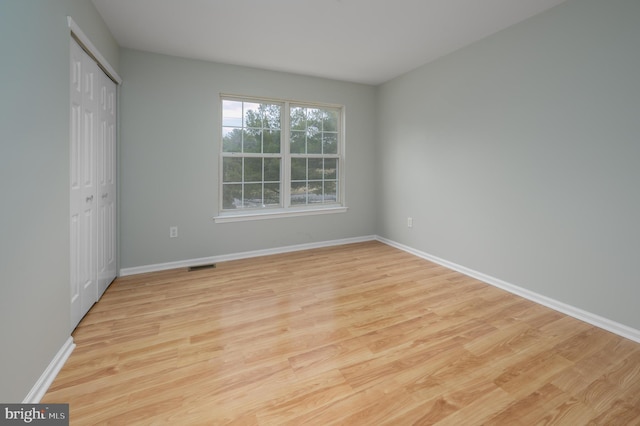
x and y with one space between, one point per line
286 209
277 214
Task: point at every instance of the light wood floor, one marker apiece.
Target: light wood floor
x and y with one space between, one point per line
361 334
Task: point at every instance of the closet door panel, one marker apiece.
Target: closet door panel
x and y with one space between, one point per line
106 163
92 182
76 193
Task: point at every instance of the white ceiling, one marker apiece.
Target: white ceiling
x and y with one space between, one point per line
365 41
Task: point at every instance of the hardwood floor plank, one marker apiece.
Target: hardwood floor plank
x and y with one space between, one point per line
359 334
480 410
424 413
531 408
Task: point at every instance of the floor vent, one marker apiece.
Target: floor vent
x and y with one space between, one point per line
201 267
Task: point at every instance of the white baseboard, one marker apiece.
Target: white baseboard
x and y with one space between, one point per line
588 317
50 373
243 255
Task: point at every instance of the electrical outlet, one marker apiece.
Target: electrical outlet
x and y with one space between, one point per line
409 222
173 232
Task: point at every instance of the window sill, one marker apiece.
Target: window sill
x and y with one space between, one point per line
275 214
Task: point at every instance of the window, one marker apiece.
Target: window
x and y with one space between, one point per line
280 158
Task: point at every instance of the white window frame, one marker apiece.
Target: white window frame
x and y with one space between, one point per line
286 209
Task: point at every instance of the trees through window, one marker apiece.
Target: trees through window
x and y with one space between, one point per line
280 155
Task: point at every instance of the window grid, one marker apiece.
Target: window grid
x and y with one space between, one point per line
303 141
268 180
314 148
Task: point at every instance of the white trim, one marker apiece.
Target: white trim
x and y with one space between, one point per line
251 98
243 255
40 388
86 44
588 317
276 214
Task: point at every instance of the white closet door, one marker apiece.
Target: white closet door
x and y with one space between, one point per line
76 193
84 123
106 164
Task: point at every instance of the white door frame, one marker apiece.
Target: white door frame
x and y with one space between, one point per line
86 44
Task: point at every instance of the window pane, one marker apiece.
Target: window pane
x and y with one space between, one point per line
231 196
315 191
331 168
231 113
298 193
298 119
272 170
232 169
298 142
253 169
252 141
272 194
272 116
314 131
253 195
329 143
252 115
231 139
271 141
314 119
314 141
330 120
330 192
298 169
315 168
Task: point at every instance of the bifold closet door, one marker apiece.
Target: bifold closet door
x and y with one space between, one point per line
106 169
92 182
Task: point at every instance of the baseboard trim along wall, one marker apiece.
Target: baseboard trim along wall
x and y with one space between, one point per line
50 373
572 311
243 255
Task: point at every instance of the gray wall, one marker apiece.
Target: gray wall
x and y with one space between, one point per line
34 182
519 157
170 127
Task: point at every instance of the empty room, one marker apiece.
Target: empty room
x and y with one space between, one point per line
356 212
